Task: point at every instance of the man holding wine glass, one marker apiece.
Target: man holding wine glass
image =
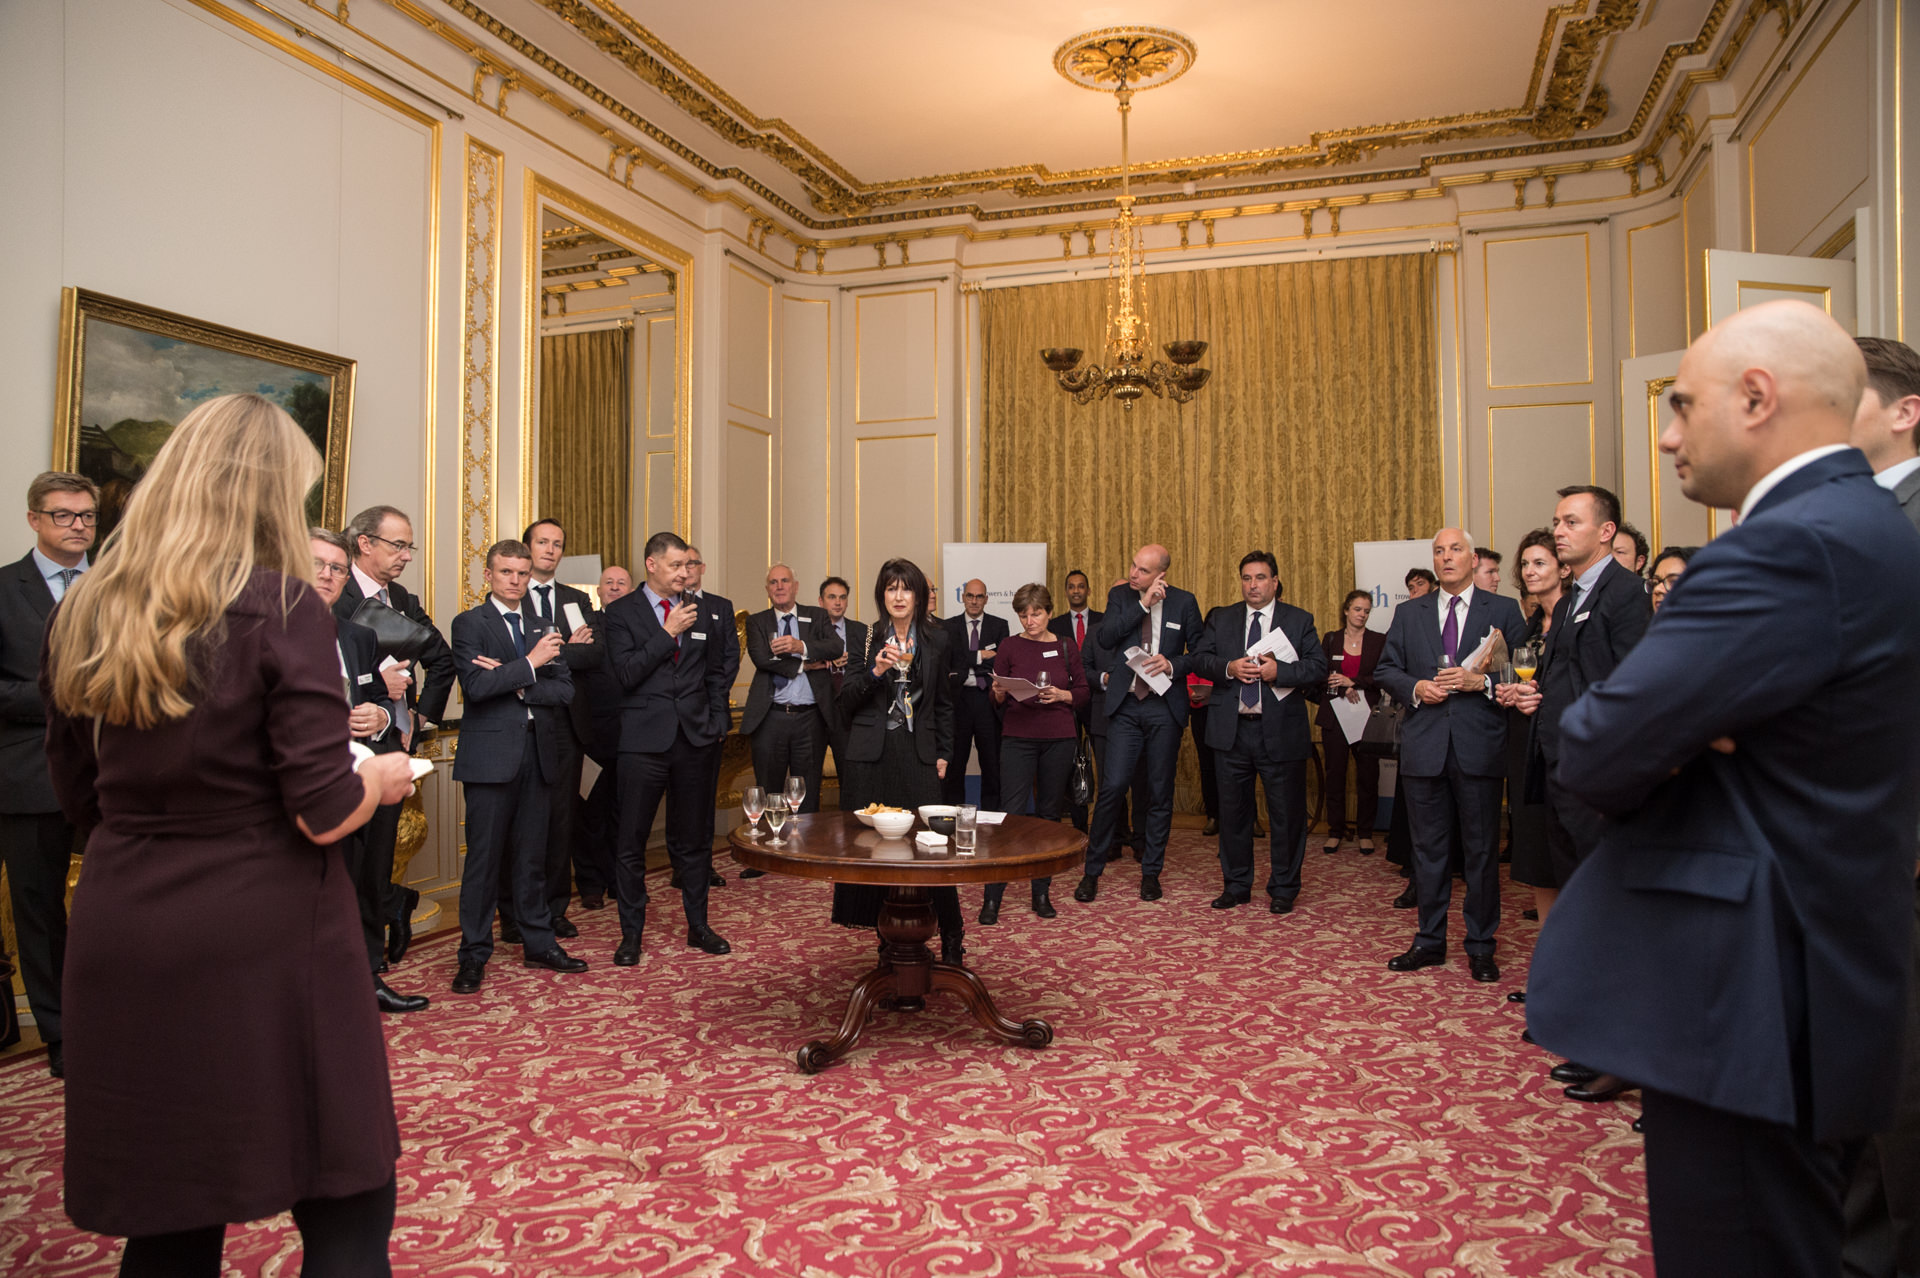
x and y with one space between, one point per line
786 718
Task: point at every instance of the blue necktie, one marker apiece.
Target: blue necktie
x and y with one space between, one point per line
1250 692
519 639
780 682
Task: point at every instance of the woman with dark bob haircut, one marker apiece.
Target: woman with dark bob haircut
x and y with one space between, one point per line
899 713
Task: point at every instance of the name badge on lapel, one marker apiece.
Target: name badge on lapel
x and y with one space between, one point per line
697 634
1173 625
1582 617
365 678
1051 652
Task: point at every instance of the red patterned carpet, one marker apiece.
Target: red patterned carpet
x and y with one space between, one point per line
1227 1094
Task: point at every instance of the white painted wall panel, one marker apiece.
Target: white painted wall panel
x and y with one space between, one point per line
1811 158
1536 449
1539 317
749 343
806 433
897 360
749 520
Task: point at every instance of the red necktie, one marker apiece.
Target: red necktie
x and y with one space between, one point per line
1079 629
666 610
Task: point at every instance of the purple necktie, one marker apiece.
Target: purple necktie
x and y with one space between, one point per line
1450 633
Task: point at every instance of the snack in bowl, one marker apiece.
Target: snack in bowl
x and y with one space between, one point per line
866 815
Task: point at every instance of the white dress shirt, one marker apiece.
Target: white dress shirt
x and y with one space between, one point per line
1893 476
1771 480
1266 628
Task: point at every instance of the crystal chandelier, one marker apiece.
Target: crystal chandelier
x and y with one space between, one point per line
1124 60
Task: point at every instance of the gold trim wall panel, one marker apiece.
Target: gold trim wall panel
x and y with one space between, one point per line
479 375
1655 389
1493 517
653 321
1633 301
766 461
861 582
1753 211
765 378
541 190
1487 245
859 354
826 411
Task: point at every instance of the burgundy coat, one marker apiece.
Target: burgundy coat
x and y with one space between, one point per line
224 1057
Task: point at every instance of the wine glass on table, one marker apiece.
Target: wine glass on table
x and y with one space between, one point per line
753 801
796 792
778 814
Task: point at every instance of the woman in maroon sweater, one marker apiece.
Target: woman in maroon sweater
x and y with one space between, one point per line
1037 735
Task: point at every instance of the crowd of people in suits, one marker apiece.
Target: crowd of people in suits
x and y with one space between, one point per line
1715 811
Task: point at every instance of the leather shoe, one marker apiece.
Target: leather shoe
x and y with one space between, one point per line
564 929
1088 888
1227 900
389 1001
1043 905
716 879
702 937
1150 887
593 900
400 930
953 951
1526 1036
1259 829
989 912
555 960
1280 905
467 979
1637 1124
1603 1087
1481 967
56 1060
1531 916
628 953
1415 959
510 933
751 874
1407 899
1516 996
1211 828
1572 1072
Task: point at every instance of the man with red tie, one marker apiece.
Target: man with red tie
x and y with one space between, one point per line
1077 623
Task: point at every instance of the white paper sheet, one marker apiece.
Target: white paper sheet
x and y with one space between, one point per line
1473 658
990 818
1351 715
575 621
1135 657
1018 689
1276 644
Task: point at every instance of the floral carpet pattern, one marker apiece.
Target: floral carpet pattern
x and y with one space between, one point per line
1228 1093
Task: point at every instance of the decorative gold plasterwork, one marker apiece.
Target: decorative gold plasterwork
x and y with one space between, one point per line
480 333
1137 57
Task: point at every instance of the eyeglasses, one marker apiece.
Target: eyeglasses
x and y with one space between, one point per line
67 518
324 568
407 546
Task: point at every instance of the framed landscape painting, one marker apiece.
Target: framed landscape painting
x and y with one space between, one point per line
130 373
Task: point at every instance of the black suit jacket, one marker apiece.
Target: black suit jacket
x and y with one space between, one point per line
863 699
493 726
1474 724
822 645
854 644
1061 624
1743 934
25 601
584 660
1334 644
717 624
964 663
428 693
1584 647
1180 626
661 695
1283 722
360 653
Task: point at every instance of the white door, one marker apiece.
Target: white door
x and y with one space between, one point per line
1649 489
1736 281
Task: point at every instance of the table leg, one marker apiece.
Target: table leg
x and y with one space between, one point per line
867 991
1034 1033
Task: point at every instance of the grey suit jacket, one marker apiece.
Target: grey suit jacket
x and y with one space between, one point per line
1907 493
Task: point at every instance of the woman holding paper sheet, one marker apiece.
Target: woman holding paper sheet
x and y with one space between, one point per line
1037 677
1352 652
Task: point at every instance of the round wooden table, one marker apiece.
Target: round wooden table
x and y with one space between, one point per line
836 847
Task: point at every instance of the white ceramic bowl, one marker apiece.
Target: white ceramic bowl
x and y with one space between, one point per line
928 811
893 825
864 818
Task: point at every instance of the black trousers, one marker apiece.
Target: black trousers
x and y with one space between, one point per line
1285 781
596 828
1040 766
712 791
37 848
680 777
1209 763
506 822
975 725
1133 801
1736 1197
1883 1199
1366 768
1573 828
380 900
562 810
356 850
340 1238
1141 734
1434 804
788 743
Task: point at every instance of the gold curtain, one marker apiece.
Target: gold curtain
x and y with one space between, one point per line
586 448
1319 428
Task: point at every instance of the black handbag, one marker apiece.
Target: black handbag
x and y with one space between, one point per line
395 634
1080 788
1381 737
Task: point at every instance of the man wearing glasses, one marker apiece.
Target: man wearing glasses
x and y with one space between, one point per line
36 842
382 542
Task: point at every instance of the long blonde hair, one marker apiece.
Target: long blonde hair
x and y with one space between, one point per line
225 495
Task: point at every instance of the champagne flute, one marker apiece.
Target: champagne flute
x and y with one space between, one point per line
796 791
1041 682
777 816
753 801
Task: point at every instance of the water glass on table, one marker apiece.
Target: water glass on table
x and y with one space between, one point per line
966 829
796 791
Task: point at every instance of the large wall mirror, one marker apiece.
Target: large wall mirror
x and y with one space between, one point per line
607 423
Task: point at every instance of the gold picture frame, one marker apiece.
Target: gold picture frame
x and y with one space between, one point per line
129 373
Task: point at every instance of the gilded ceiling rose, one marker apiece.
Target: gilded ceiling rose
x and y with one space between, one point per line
1138 57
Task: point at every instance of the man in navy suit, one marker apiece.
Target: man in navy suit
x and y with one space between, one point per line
1452 749
1257 726
716 621
672 673
835 594
976 635
1740 942
1078 623
789 703
1164 623
516 691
